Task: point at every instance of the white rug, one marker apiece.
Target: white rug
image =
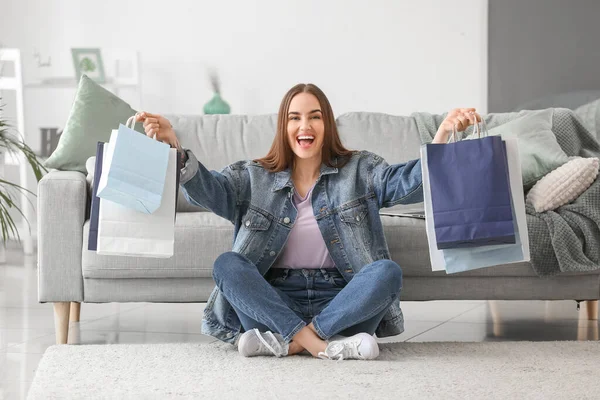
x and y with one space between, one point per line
493 370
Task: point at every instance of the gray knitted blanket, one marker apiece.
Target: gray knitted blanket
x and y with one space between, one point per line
568 238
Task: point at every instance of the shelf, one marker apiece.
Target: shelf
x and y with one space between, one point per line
66 83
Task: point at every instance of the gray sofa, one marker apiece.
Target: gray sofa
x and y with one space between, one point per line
69 274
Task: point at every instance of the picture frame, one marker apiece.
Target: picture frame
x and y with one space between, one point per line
88 61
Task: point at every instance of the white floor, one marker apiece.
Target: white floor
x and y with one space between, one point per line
27 327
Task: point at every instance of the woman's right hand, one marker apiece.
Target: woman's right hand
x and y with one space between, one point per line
158 127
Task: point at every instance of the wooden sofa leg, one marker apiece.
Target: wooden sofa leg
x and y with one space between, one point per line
61 321
75 311
498 328
592 309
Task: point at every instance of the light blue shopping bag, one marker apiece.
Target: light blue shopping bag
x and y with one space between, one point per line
135 169
466 259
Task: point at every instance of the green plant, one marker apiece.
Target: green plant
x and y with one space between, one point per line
87 65
10 142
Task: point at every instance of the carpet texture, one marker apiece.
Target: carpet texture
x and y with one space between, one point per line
490 370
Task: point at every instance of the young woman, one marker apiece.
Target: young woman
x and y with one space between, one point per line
309 260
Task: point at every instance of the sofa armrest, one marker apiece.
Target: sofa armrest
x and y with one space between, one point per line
62 202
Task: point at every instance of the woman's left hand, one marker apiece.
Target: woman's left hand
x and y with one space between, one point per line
461 118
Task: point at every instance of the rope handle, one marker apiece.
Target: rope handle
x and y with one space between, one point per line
476 129
131 121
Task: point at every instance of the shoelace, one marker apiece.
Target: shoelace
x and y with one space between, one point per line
266 344
340 351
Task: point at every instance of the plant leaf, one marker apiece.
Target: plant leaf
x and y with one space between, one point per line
12 142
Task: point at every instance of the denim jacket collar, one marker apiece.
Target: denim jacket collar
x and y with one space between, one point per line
283 178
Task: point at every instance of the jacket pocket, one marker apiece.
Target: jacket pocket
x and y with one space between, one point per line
355 229
355 214
253 237
256 221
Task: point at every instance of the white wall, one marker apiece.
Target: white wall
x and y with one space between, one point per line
391 56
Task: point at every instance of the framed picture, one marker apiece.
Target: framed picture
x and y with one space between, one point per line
89 62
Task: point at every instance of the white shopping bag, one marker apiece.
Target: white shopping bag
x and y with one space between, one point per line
124 231
457 260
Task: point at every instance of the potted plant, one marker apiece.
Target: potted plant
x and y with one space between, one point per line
10 143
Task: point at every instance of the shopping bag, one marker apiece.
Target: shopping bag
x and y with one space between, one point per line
126 232
95 207
463 259
459 260
134 170
470 193
435 256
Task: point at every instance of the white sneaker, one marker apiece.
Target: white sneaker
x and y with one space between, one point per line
361 346
255 343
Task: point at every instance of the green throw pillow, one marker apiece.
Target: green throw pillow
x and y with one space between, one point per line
94 114
590 116
539 151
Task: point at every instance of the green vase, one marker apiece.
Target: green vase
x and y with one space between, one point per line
217 105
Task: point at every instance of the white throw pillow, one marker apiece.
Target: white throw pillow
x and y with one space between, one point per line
564 184
90 166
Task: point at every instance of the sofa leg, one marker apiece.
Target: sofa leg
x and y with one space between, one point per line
592 309
61 321
75 311
498 327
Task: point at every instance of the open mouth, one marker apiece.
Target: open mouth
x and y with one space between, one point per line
305 141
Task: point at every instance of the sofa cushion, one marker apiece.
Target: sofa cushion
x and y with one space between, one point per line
395 138
590 116
210 137
200 237
564 184
407 241
539 150
94 114
220 140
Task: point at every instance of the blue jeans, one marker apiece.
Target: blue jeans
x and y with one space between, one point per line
286 300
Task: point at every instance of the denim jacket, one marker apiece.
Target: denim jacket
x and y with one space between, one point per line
345 201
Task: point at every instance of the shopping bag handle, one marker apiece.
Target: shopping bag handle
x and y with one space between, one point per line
131 121
476 129
479 129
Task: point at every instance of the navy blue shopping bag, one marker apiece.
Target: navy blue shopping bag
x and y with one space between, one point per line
470 193
95 208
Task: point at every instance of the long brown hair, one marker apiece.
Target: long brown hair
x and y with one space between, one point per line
281 156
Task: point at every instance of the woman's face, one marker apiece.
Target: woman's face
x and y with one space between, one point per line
305 119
